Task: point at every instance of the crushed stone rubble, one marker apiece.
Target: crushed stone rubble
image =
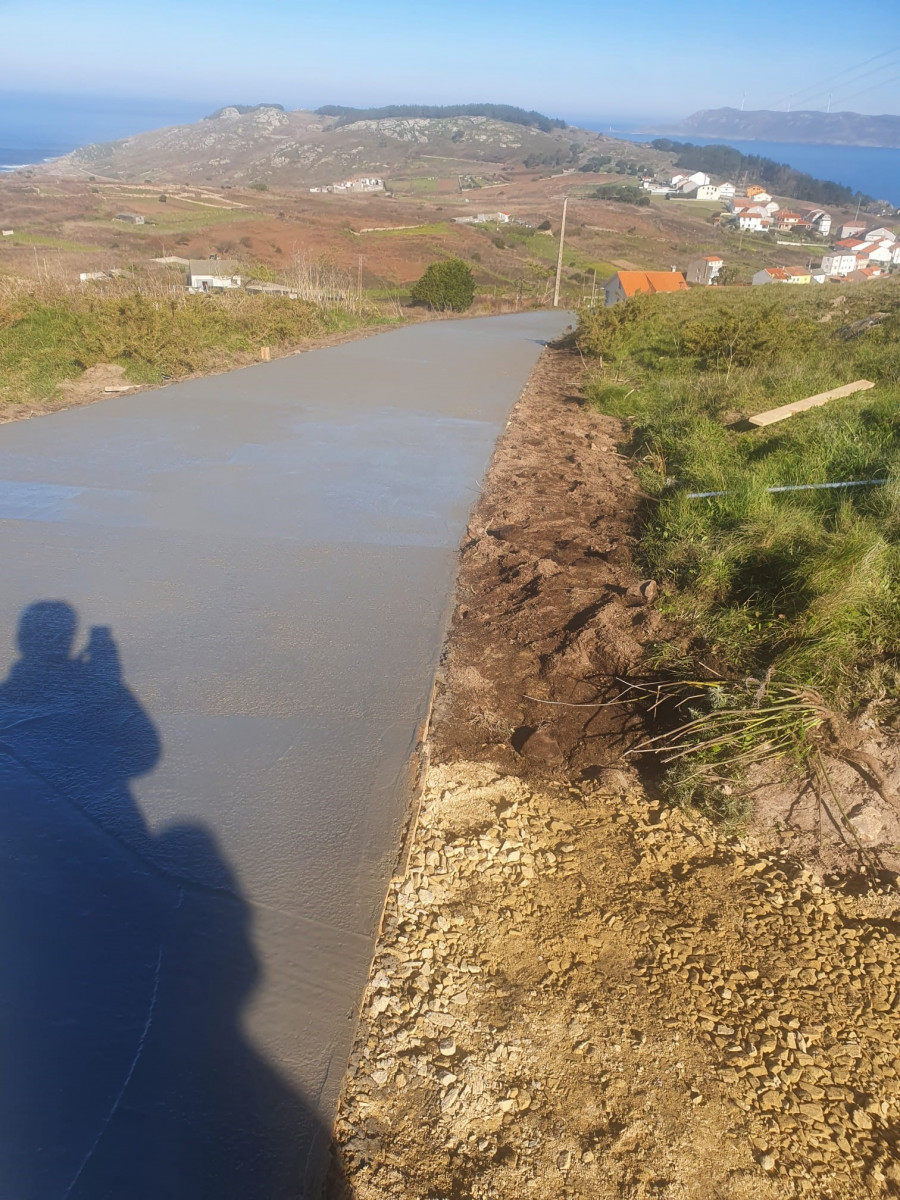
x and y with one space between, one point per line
579 992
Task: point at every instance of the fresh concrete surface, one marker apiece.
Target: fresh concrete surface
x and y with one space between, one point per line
202 799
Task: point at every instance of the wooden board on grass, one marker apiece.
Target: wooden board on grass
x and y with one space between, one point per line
788 410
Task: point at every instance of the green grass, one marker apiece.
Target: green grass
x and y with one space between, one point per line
45 341
23 238
800 588
437 227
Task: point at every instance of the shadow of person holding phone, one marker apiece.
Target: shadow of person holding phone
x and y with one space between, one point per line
126 962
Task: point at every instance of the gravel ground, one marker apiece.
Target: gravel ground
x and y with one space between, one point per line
581 993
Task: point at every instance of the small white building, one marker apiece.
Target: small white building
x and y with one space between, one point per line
131 218
7 232
727 190
853 228
754 222
838 262
212 275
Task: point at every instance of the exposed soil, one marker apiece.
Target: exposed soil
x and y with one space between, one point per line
580 991
548 616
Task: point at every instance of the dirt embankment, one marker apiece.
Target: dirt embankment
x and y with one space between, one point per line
579 991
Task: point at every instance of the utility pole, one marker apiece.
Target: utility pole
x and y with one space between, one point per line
594 289
559 260
359 282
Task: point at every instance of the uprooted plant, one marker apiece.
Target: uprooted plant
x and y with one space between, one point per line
731 726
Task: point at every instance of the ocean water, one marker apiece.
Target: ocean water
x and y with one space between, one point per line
34 127
864 168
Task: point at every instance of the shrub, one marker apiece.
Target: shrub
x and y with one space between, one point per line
446 286
625 193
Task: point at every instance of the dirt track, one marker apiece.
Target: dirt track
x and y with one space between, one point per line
580 992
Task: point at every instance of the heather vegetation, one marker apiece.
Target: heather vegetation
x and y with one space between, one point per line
792 599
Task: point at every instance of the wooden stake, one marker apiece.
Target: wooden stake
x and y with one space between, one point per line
787 410
559 260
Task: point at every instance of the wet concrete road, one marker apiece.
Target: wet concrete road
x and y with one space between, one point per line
221 607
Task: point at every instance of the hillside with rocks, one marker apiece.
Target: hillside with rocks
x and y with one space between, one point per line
267 145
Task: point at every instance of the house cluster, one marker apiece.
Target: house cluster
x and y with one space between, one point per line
759 213
858 255
367 183
692 187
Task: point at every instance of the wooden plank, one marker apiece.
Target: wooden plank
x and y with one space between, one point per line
788 410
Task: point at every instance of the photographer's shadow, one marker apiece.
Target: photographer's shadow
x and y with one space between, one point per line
126 961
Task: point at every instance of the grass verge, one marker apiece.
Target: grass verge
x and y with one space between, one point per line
798 589
45 339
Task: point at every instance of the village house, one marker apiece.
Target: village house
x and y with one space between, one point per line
839 262
705 270
852 228
770 275
625 284
211 275
875 252
700 191
131 218
754 221
738 205
790 220
864 274
881 234
727 190
758 194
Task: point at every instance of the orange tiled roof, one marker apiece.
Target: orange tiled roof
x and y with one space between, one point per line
651 281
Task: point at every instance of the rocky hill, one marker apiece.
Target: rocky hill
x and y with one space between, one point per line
834 129
265 144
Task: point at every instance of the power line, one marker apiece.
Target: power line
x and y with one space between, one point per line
828 82
870 88
810 94
890 65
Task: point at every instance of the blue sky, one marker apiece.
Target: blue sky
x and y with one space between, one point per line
600 60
